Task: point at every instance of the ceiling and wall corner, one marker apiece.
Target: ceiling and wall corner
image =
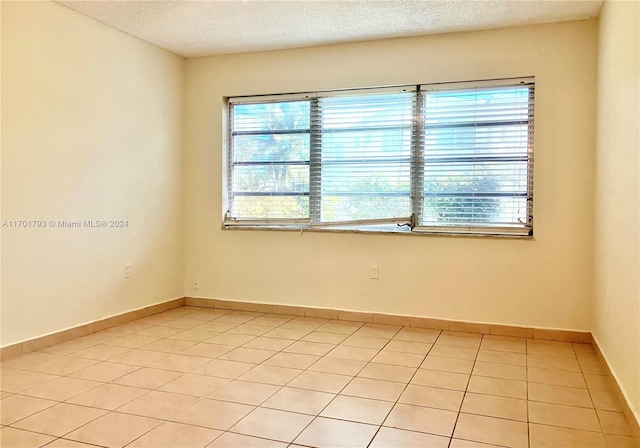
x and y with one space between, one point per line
202 28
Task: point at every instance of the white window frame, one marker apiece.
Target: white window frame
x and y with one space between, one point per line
400 225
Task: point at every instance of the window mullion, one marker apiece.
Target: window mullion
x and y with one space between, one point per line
417 167
315 162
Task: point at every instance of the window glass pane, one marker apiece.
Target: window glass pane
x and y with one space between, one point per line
270 160
271 207
287 115
366 156
476 157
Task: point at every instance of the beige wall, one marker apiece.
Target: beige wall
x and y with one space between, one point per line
544 282
617 235
91 129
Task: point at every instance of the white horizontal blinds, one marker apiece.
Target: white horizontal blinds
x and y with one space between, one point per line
269 161
477 160
364 146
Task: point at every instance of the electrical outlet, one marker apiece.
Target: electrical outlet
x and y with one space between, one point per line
375 272
127 271
196 284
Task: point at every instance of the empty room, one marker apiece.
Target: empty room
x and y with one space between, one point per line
320 223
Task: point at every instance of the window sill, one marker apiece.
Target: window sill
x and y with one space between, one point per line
400 232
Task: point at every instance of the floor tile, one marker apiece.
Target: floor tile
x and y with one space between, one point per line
432 397
251 355
132 340
415 418
442 380
266 343
324 338
459 443
338 366
63 365
195 385
61 389
329 433
113 430
513 345
378 330
550 348
518 359
169 345
16 438
495 370
455 341
498 386
19 380
592 365
108 396
398 358
542 436
213 414
450 351
292 360
598 382
605 400
309 348
231 440
395 438
148 378
614 441
140 358
249 330
34 358
101 352
182 323
447 364
223 368
494 406
233 339
353 353
298 400
340 327
278 376
64 443
557 377
194 334
423 335
172 435
17 407
614 423
320 381
159 331
272 424
158 405
287 333
387 372
59 419
553 362
365 342
564 416
363 410
570 396
104 371
206 350
419 348
180 363
245 392
375 389
492 430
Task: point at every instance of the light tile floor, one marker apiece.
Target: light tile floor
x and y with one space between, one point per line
197 377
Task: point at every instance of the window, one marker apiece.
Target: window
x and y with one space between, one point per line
443 158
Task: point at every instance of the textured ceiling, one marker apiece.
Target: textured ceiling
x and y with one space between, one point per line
198 28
